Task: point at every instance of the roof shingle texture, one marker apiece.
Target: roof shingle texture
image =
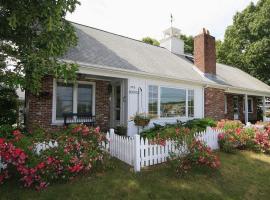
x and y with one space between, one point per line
110 50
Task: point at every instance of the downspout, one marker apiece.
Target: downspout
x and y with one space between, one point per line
139 90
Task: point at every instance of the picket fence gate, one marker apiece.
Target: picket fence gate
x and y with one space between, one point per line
139 152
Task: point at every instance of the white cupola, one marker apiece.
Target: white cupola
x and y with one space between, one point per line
172 41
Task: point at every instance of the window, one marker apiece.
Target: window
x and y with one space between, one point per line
153 100
84 101
190 103
64 103
250 105
170 102
73 98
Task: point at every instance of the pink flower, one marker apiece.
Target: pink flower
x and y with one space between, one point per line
97 130
2 140
16 133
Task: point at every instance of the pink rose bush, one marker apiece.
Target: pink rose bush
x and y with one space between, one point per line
78 152
199 155
235 136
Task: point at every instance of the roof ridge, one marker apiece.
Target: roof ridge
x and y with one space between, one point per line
115 34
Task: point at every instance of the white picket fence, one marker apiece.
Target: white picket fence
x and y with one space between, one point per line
139 152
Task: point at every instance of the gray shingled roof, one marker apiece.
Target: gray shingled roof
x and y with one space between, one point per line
106 49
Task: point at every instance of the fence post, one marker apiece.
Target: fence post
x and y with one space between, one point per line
137 163
111 131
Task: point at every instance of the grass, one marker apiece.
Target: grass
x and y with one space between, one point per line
244 175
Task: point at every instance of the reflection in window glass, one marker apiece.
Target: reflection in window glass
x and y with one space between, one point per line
172 102
190 103
64 99
153 100
84 100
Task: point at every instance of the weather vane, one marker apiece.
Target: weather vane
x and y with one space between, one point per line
171 19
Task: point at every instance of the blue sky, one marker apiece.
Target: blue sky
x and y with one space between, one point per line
139 18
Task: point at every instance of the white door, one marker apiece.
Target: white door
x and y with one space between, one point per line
117 105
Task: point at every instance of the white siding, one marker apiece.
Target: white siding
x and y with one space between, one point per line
133 86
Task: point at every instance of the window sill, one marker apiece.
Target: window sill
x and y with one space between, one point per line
57 124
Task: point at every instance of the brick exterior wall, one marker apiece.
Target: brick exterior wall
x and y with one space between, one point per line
230 114
214 101
39 108
205 53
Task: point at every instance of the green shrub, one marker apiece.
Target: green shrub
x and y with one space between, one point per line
200 124
169 130
121 130
8 106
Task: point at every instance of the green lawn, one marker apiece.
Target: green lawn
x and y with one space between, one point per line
245 175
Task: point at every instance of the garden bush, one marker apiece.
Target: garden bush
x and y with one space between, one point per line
199 155
168 131
236 136
9 106
78 151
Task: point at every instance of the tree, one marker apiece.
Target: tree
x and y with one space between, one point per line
8 106
33 36
189 44
151 41
247 42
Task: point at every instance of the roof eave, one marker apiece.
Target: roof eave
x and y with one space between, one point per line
168 78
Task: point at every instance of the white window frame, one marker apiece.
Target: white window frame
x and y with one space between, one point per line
75 98
173 87
249 98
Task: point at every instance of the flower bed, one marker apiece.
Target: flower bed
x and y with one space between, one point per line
236 136
77 151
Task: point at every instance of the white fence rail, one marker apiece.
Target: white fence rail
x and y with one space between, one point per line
139 152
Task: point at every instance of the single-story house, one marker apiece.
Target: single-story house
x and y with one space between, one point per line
120 76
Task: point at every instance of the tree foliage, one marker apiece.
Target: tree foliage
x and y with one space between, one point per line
247 42
151 41
189 43
33 36
8 106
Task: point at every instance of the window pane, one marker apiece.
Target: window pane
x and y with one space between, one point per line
191 103
153 100
84 98
64 99
249 105
172 102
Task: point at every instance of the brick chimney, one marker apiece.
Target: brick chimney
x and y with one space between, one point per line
205 52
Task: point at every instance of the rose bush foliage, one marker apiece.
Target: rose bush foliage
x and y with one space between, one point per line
198 155
236 136
78 151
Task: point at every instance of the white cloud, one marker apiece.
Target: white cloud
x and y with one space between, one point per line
140 18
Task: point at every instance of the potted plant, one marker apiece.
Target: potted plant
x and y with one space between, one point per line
142 119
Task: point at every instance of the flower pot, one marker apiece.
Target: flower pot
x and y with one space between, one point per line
141 122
